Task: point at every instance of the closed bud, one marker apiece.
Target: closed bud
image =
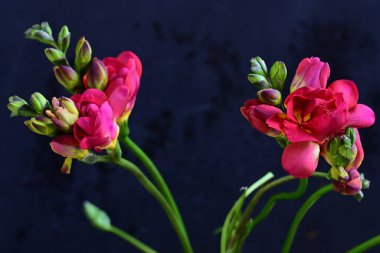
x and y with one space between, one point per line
64 113
55 56
67 76
351 186
98 218
277 75
270 96
42 33
41 125
338 174
66 166
261 82
258 66
19 107
39 102
64 39
83 53
97 76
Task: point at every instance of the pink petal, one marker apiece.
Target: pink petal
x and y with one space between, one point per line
128 56
360 116
118 100
348 89
300 159
67 146
360 153
295 133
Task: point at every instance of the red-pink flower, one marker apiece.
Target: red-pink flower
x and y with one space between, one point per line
124 73
315 114
96 127
257 113
311 72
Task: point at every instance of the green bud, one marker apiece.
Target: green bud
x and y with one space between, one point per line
64 113
258 66
365 182
19 107
97 76
341 150
39 102
42 33
270 96
338 174
83 54
277 75
64 38
261 82
98 218
67 76
55 56
41 125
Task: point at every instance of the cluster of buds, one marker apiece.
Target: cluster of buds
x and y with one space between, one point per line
269 84
345 154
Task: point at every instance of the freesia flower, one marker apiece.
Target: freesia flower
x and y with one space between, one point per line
124 73
350 187
96 127
257 113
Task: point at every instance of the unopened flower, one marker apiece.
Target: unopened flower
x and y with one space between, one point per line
42 125
67 77
351 186
64 113
97 76
270 96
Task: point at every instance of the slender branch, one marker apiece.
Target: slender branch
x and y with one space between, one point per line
132 240
151 188
301 213
369 244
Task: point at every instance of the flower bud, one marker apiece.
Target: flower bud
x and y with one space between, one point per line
83 54
64 38
66 166
98 218
351 186
42 33
258 66
67 76
269 96
55 56
19 107
277 75
97 76
41 125
39 102
64 113
261 82
338 174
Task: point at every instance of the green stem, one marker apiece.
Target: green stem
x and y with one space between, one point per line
132 240
374 241
151 188
156 176
301 213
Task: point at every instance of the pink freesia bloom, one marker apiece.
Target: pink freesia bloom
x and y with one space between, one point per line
311 72
124 73
315 114
67 146
350 187
257 113
96 127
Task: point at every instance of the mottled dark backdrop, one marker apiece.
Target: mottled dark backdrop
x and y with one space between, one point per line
196 57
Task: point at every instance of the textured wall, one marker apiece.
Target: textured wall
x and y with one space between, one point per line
195 56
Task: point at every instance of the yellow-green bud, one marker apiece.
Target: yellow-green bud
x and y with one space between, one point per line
41 125
277 75
97 76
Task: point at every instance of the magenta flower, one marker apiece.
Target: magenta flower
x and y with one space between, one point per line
311 72
124 73
350 187
258 113
315 114
96 127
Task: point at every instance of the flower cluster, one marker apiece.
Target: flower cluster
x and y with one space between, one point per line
104 93
315 120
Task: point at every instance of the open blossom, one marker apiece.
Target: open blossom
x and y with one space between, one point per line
124 73
96 127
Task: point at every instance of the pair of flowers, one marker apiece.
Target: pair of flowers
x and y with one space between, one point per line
100 112
315 115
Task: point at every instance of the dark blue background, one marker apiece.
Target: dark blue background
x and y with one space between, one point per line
195 57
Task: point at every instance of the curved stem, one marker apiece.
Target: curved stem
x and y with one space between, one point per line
153 171
301 213
132 240
151 188
374 241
